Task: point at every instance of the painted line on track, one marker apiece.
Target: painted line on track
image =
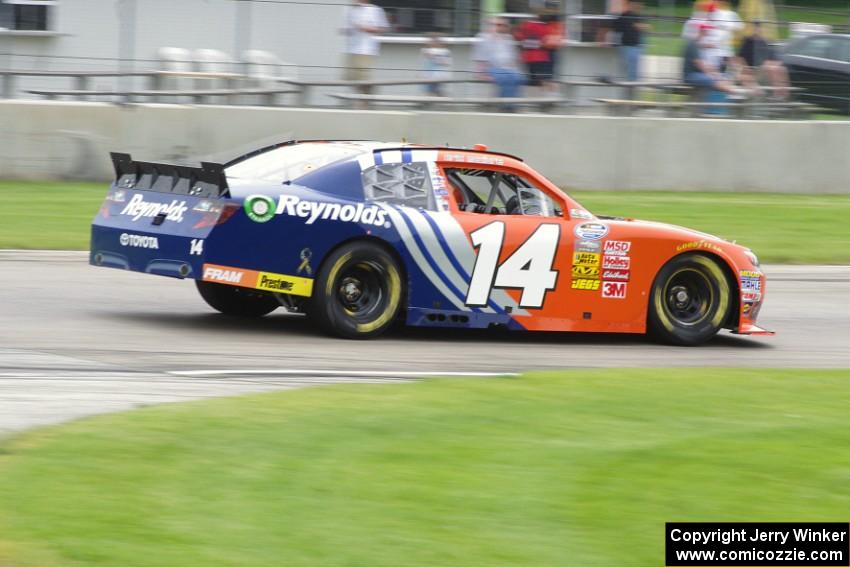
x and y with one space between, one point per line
306 372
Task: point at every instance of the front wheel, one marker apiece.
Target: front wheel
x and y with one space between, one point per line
358 291
690 300
236 301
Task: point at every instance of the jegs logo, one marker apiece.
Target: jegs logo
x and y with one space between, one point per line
616 262
617 247
586 284
614 290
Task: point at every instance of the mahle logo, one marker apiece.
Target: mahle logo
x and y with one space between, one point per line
260 208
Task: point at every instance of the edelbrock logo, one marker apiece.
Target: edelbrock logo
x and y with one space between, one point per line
138 208
139 241
294 206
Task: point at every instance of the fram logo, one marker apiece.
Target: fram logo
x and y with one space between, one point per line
616 262
222 275
614 290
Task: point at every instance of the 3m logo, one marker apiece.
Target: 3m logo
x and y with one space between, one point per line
589 285
617 247
614 290
589 272
616 262
585 259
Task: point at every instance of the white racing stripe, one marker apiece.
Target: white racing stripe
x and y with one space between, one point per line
416 253
391 156
307 372
426 233
462 249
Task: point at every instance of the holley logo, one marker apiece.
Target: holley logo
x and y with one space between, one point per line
138 208
616 262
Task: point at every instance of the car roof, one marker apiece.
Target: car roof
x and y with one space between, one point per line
368 147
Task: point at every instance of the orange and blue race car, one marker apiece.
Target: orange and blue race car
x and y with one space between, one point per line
361 235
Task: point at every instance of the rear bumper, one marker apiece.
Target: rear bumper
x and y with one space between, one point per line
138 251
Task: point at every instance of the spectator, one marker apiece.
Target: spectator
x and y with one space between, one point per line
534 38
725 25
496 56
756 54
438 63
631 27
698 17
698 71
363 22
555 39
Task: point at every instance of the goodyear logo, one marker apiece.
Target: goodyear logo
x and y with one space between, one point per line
586 284
585 259
588 272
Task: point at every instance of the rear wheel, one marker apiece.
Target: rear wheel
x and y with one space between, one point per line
236 301
690 300
357 293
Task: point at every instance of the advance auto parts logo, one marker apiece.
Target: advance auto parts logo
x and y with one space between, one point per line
261 208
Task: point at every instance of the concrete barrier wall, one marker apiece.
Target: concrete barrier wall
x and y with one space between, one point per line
49 140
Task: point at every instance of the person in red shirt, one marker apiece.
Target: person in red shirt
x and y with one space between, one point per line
536 38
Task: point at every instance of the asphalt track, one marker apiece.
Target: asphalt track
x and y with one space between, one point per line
77 340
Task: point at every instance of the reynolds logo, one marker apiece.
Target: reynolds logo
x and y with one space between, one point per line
138 208
290 205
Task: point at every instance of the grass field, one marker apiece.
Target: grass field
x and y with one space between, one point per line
778 227
48 215
575 468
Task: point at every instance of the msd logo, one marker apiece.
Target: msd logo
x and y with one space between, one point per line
614 290
617 247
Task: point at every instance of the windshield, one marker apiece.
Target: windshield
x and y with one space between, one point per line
288 163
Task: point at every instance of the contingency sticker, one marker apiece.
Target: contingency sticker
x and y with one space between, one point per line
278 283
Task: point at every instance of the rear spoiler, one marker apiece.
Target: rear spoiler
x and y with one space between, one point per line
208 180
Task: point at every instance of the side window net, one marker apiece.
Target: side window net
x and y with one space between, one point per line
407 184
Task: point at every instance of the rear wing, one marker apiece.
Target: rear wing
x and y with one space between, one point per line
207 181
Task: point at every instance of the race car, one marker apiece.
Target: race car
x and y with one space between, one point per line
360 235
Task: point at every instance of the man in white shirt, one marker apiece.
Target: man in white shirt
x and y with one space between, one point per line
363 22
496 56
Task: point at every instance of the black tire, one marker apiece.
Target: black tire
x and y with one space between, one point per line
236 301
358 291
690 300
